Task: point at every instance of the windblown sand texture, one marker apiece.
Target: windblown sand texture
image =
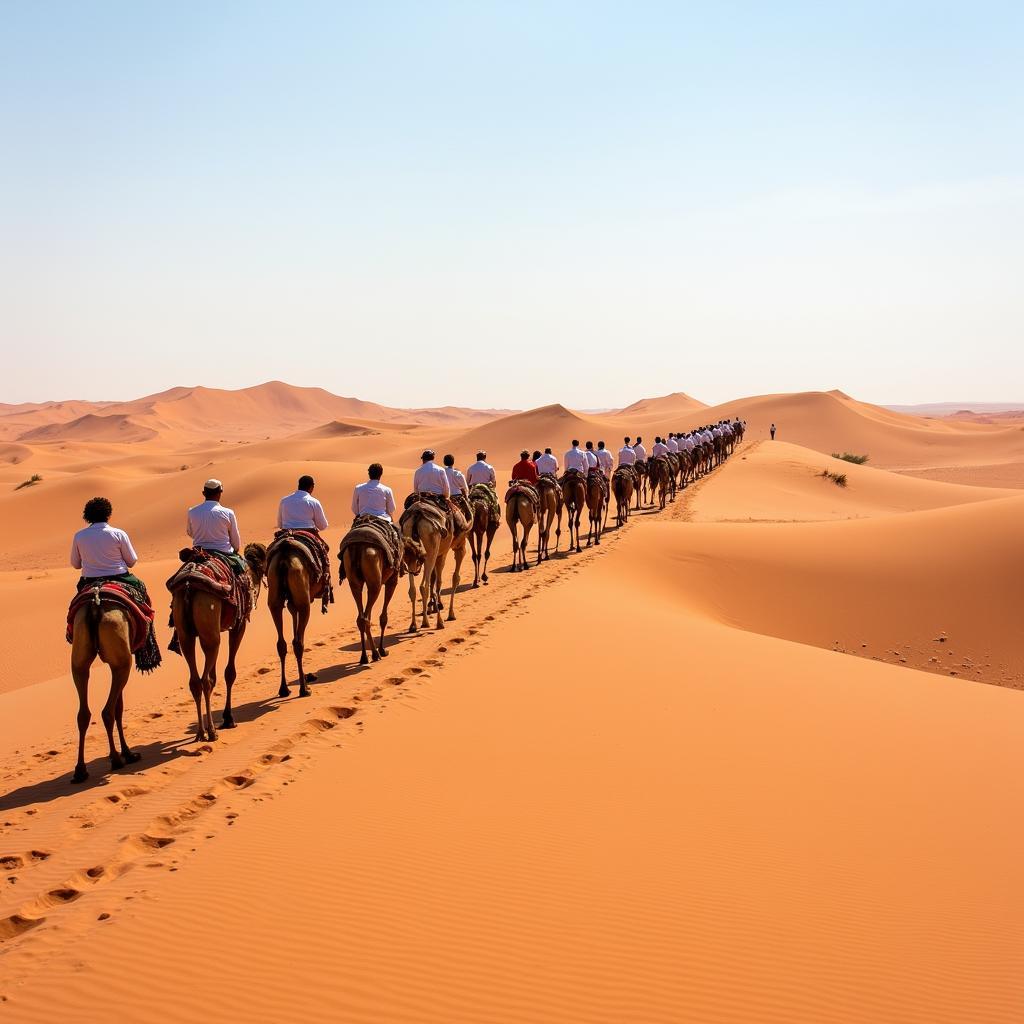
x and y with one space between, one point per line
753 758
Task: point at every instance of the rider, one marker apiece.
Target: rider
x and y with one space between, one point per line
373 498
592 462
660 448
456 481
430 478
525 469
213 527
627 456
673 443
547 463
639 450
300 510
103 552
481 472
576 458
604 460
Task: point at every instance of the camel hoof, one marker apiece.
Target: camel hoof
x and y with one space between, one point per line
81 774
451 617
227 722
284 692
376 656
383 652
304 692
364 660
130 757
476 586
116 762
413 629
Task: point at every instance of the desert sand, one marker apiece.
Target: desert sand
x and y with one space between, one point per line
754 758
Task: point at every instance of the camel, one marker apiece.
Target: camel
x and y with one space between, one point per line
197 615
673 473
485 525
550 512
622 487
574 494
422 527
101 629
595 507
658 471
364 565
290 582
520 511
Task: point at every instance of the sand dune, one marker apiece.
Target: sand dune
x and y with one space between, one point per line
116 427
667 779
677 404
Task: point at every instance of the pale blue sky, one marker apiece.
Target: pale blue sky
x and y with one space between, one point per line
511 204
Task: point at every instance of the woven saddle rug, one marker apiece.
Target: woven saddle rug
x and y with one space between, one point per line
211 572
486 494
625 472
597 475
380 533
140 615
433 508
523 489
314 549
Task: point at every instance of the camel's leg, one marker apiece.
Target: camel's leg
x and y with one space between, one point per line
491 531
210 644
357 596
427 587
187 642
389 590
514 527
372 593
230 674
300 619
277 614
459 554
475 544
82 655
127 754
118 679
412 601
436 586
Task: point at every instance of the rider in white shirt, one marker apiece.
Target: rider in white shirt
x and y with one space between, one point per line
626 454
604 460
673 444
300 510
430 478
373 498
547 463
640 451
576 458
591 456
481 472
456 481
660 448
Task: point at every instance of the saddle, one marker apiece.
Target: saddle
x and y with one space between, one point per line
486 494
315 550
139 612
596 474
524 489
433 507
625 471
381 534
572 474
213 573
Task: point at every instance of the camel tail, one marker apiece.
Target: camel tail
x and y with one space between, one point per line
93 610
282 579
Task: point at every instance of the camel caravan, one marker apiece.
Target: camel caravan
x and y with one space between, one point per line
447 513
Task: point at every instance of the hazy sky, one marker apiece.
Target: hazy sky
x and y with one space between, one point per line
510 204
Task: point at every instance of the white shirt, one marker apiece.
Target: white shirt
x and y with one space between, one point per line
660 448
547 464
300 511
717 432
591 459
689 443
604 460
481 473
373 499
213 526
456 481
431 478
640 451
102 550
673 445
626 456
576 458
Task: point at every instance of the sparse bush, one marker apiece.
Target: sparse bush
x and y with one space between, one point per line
857 460
839 479
30 482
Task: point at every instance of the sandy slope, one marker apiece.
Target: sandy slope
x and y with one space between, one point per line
749 829
642 783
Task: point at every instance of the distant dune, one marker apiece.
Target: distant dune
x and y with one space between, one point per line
337 429
112 427
676 404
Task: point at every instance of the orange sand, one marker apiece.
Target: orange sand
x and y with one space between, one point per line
644 783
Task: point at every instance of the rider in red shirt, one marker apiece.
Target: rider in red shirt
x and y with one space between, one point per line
525 469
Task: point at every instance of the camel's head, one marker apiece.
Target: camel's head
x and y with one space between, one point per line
413 556
255 556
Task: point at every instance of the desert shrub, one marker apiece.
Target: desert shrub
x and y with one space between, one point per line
839 479
30 482
857 460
